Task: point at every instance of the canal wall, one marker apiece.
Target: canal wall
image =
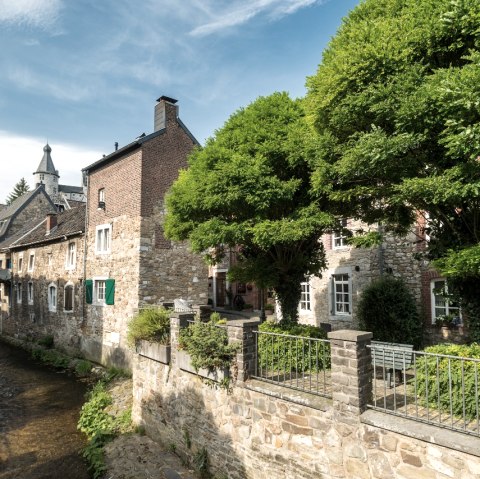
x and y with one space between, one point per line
258 430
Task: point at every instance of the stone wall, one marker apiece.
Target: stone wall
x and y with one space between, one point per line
259 431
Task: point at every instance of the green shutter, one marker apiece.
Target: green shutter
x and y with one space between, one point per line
89 291
109 291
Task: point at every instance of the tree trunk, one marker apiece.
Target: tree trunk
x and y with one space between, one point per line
288 295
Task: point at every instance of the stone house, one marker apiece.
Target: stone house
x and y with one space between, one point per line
130 264
47 280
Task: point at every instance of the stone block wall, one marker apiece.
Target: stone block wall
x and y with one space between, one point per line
260 431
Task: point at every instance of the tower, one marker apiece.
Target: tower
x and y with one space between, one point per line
46 174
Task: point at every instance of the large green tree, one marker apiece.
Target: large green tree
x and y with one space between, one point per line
19 189
396 101
249 189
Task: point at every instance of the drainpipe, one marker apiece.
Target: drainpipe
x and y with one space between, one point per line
82 302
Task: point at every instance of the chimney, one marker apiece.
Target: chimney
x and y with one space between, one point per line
51 222
165 112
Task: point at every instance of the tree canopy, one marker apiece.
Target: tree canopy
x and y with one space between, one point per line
19 189
396 102
249 189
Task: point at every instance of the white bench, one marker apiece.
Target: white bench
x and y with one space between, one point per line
392 357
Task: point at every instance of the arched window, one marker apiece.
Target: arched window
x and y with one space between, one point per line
52 297
68 298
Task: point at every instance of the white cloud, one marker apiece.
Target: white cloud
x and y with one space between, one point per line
37 13
23 155
240 12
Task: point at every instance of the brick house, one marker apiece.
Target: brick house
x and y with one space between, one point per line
130 263
47 280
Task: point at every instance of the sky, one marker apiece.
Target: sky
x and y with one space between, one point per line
85 74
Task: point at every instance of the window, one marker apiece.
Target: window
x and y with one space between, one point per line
442 303
9 263
1 263
52 297
101 195
68 297
305 297
103 239
42 176
19 293
338 237
100 291
71 256
30 292
31 261
341 297
20 264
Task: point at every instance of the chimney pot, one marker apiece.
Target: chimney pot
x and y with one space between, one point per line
166 111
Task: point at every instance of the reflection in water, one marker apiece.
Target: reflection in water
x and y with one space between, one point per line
38 415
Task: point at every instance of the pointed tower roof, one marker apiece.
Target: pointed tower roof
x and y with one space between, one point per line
46 165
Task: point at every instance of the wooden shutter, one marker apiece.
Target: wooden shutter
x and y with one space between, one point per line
109 291
89 291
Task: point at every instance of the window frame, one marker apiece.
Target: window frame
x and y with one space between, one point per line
447 306
30 292
103 228
20 263
337 235
19 292
69 284
71 259
305 304
31 261
336 313
52 305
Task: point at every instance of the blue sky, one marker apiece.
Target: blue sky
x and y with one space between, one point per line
86 73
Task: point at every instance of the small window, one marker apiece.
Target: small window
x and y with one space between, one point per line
68 297
19 293
42 176
30 292
103 239
443 305
101 195
305 304
341 294
52 297
339 239
100 291
20 264
9 263
71 256
31 261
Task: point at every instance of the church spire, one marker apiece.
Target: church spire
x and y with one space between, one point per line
46 165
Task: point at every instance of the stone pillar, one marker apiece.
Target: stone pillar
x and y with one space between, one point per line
351 373
177 322
242 331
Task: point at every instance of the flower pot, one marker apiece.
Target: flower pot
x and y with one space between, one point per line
156 351
185 364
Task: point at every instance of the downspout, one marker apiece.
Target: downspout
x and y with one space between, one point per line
85 251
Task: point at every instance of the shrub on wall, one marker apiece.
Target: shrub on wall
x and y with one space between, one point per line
207 344
387 309
440 379
282 352
150 324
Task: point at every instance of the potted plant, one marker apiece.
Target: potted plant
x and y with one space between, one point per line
205 350
149 333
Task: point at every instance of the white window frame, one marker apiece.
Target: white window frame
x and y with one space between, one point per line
52 298
30 292
447 307
100 247
101 195
306 296
20 262
19 293
69 284
346 282
339 237
96 301
71 259
31 261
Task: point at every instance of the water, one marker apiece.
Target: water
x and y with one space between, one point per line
39 410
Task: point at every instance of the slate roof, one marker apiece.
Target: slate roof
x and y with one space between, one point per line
70 189
69 223
46 164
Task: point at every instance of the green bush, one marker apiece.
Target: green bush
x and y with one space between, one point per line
279 353
150 324
207 345
46 341
387 309
51 357
446 382
83 367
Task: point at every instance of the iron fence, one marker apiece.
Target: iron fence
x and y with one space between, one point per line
295 362
433 388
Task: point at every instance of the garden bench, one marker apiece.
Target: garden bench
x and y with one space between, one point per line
392 356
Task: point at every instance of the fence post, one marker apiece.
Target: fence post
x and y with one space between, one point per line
351 373
177 322
242 331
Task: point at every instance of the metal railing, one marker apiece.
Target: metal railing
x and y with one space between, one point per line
433 388
294 362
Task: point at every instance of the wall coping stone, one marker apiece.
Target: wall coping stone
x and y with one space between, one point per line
350 335
239 323
424 432
299 397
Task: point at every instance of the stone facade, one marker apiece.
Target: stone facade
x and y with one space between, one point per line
259 431
126 202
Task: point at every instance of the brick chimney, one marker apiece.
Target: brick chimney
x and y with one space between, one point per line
165 112
51 222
